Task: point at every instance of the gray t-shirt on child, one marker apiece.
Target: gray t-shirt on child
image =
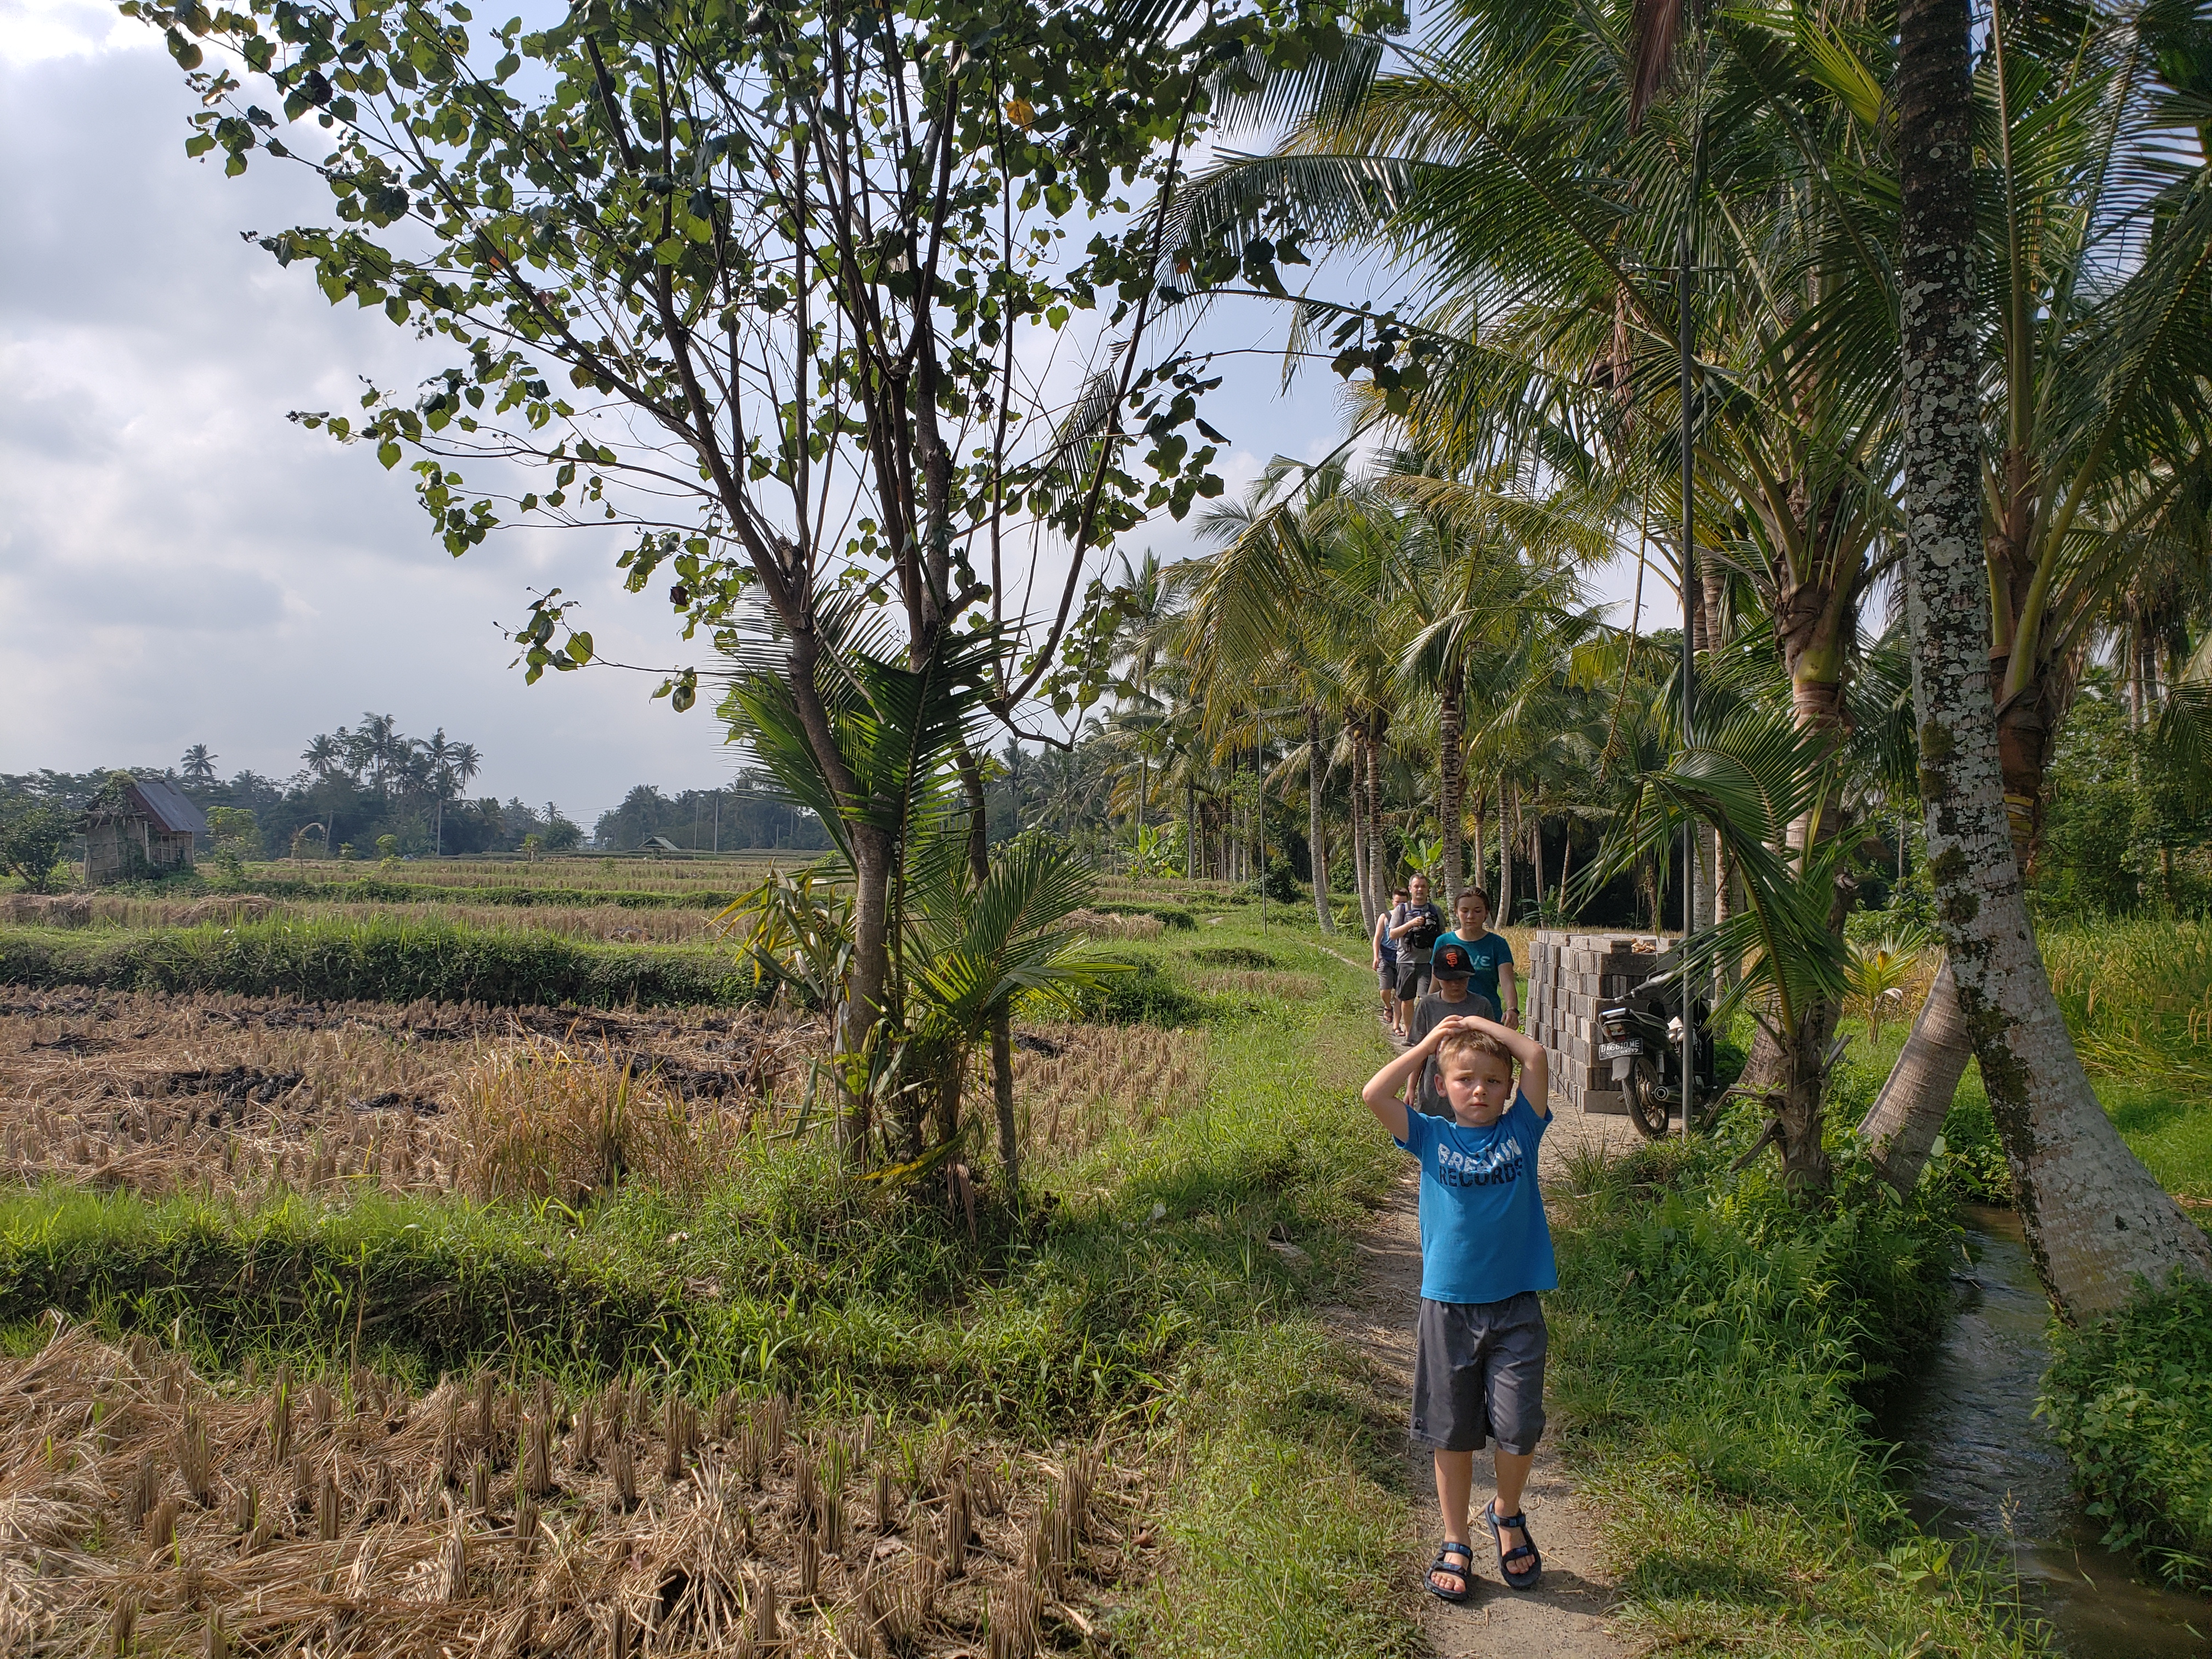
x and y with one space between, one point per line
1431 1011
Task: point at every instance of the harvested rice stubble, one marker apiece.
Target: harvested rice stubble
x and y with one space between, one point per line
135 1505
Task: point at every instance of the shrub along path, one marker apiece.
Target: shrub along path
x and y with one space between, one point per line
1565 1615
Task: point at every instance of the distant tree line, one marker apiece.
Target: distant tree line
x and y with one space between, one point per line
365 792
743 817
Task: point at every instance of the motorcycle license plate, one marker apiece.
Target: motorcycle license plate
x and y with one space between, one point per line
1617 1050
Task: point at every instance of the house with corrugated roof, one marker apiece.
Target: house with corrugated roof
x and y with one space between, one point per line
144 829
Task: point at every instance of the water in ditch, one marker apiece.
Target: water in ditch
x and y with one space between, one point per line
1982 1465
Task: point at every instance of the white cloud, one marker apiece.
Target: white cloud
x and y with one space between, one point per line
36 31
179 563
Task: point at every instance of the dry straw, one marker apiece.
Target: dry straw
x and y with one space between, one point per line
106 1544
237 1095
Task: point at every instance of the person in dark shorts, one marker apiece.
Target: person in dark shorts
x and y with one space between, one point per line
1416 926
1485 1256
1386 963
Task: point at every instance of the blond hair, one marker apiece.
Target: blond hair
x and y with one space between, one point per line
1465 1041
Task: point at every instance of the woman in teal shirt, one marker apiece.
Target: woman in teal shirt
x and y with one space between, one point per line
1490 958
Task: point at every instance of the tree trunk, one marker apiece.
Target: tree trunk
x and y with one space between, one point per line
1709 884
1482 853
1380 865
1536 859
1451 767
1002 1022
868 980
1316 826
1190 857
1901 1126
1801 1114
1359 819
1726 904
1509 813
2094 1218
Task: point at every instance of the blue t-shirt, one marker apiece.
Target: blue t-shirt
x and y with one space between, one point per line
1488 955
1484 1236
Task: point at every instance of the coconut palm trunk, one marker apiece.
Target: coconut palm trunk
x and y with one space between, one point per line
1451 767
1316 825
1509 815
1379 862
1481 854
2095 1220
1360 881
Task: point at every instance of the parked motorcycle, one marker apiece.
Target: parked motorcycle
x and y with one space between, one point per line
1641 1037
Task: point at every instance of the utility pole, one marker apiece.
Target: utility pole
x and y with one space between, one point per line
1687 338
718 823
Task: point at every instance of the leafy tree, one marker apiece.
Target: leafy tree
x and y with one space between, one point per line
233 831
562 834
752 279
198 764
32 835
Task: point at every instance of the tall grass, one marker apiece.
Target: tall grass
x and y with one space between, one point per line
2137 996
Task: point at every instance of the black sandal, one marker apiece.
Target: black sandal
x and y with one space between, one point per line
1520 1578
1445 1551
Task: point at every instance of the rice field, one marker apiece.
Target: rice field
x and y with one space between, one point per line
2138 997
148 1510
728 872
439 1328
247 1097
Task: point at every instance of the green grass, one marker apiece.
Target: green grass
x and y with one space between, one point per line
1713 1341
379 960
2130 1400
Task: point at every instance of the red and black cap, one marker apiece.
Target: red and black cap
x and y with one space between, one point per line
1452 962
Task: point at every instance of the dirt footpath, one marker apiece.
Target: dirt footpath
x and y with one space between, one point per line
1565 1617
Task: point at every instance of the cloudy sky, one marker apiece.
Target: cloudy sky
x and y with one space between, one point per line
181 565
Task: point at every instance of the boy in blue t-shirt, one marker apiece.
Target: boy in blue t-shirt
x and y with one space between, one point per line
1489 959
1486 1253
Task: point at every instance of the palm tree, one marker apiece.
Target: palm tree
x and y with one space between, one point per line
464 762
198 764
2096 1220
961 947
1246 628
443 783
326 755
380 744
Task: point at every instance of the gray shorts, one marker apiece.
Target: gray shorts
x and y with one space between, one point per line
1412 979
1386 976
1479 1374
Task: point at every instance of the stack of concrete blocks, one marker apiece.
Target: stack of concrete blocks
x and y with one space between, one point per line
1572 976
